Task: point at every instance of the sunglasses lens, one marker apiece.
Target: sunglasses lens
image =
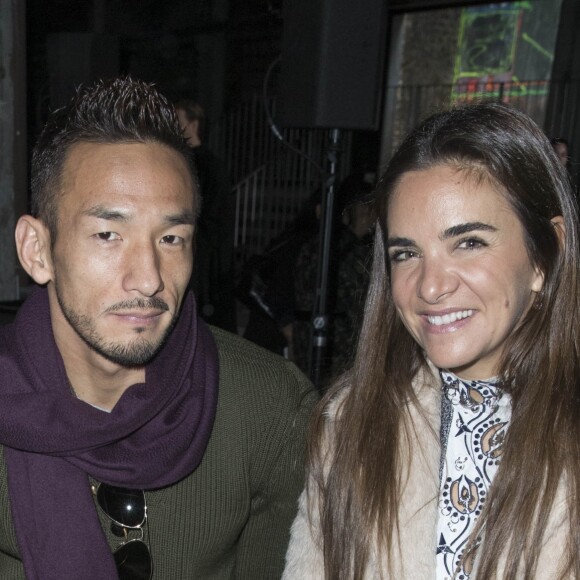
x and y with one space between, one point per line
133 561
124 506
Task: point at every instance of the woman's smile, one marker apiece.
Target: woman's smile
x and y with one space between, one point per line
447 320
461 277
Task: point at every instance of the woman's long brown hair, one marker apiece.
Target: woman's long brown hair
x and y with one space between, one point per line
360 485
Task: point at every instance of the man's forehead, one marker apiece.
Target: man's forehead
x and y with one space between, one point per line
81 151
128 168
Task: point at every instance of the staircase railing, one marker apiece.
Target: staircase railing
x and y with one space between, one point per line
271 179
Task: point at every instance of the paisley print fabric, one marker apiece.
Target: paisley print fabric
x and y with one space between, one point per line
475 417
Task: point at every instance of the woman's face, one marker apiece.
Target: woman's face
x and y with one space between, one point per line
461 277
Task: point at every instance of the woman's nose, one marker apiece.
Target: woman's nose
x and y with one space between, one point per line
436 280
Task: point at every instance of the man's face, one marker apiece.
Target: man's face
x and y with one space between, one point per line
122 257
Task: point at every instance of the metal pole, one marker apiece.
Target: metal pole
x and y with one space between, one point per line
320 316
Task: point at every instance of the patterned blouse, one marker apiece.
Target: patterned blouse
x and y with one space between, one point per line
474 418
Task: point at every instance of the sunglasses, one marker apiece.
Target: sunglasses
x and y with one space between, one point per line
127 510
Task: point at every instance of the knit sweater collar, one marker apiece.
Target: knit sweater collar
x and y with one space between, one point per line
156 435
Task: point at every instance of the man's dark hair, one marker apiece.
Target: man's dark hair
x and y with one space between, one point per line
120 110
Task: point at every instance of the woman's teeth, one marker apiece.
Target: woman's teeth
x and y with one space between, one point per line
449 318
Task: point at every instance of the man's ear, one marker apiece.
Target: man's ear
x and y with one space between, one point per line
33 247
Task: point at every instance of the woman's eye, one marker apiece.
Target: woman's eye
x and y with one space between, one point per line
403 255
471 244
108 236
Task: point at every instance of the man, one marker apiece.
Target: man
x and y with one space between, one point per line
213 274
127 426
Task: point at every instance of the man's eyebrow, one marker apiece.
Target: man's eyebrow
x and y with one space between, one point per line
179 219
105 213
466 228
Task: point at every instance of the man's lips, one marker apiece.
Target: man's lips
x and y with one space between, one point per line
139 305
139 311
141 316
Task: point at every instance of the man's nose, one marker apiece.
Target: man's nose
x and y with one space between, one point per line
143 272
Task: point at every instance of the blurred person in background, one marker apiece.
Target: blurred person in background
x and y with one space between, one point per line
213 273
348 278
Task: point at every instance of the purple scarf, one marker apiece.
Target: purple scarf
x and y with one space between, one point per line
156 435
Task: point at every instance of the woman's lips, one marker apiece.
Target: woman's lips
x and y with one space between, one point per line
448 321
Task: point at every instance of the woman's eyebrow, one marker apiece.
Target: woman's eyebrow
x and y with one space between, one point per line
451 232
466 228
396 241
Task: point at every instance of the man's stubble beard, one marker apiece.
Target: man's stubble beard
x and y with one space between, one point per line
136 353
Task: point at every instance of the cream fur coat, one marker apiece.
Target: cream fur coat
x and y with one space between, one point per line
418 509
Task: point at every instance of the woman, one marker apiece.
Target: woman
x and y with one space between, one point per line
451 449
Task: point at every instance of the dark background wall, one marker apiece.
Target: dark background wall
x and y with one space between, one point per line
215 51
219 51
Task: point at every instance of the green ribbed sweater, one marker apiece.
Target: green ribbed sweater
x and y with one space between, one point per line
231 517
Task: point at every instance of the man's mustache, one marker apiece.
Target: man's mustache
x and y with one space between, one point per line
139 304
